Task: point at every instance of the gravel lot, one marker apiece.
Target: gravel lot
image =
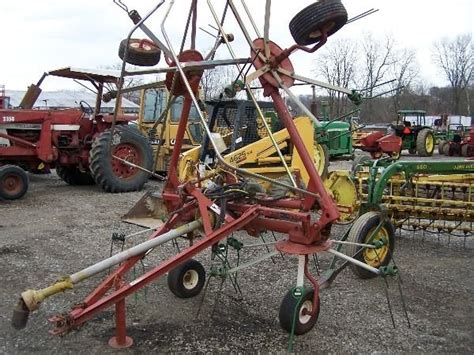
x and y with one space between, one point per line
58 229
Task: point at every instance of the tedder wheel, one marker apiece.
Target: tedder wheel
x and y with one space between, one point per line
358 161
321 159
360 232
142 52
298 309
425 143
187 279
112 174
308 24
440 146
13 182
73 176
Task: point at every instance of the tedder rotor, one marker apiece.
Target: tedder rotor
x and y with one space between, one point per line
210 207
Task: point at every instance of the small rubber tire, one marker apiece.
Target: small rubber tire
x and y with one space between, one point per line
359 233
73 176
441 144
113 175
187 280
423 136
13 182
289 306
306 25
141 52
358 161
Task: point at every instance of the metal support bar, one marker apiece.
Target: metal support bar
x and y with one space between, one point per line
354 261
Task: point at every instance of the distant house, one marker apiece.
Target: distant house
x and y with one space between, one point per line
69 99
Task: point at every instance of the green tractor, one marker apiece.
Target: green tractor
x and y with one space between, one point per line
334 134
417 137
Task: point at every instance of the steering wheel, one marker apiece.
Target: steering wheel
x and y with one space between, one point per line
86 108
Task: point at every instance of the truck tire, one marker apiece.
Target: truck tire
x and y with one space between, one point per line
73 176
13 182
141 52
425 143
307 24
112 174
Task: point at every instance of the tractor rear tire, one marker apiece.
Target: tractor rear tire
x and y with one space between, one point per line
307 25
187 280
440 146
360 232
291 310
425 143
13 182
73 176
141 52
112 174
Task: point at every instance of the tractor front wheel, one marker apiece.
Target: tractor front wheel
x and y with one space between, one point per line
298 313
187 280
13 182
115 175
364 231
73 176
425 143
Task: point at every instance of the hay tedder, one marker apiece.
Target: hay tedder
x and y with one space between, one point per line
213 202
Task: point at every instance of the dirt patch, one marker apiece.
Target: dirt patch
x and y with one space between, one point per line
58 229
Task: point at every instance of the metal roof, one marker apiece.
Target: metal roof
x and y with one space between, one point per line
98 75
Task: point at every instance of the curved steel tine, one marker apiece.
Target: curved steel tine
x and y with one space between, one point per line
120 4
204 123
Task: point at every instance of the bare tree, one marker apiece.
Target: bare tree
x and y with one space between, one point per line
337 66
215 80
455 59
404 70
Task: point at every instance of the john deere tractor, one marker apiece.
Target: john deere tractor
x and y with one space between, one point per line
417 137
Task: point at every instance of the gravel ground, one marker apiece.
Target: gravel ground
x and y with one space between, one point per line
58 229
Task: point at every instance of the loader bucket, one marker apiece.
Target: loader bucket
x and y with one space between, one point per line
148 212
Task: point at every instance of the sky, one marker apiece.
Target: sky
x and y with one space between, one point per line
49 34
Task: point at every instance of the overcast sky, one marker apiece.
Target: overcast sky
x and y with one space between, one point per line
43 35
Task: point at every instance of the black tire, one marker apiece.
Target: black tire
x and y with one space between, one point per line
441 144
447 149
360 231
113 175
465 150
141 52
290 307
187 279
422 139
358 161
278 191
73 176
307 24
13 182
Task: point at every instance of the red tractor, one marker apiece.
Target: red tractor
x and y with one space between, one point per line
79 143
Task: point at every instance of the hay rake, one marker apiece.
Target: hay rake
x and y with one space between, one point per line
208 209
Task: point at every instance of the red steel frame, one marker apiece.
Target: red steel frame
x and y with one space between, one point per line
291 216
